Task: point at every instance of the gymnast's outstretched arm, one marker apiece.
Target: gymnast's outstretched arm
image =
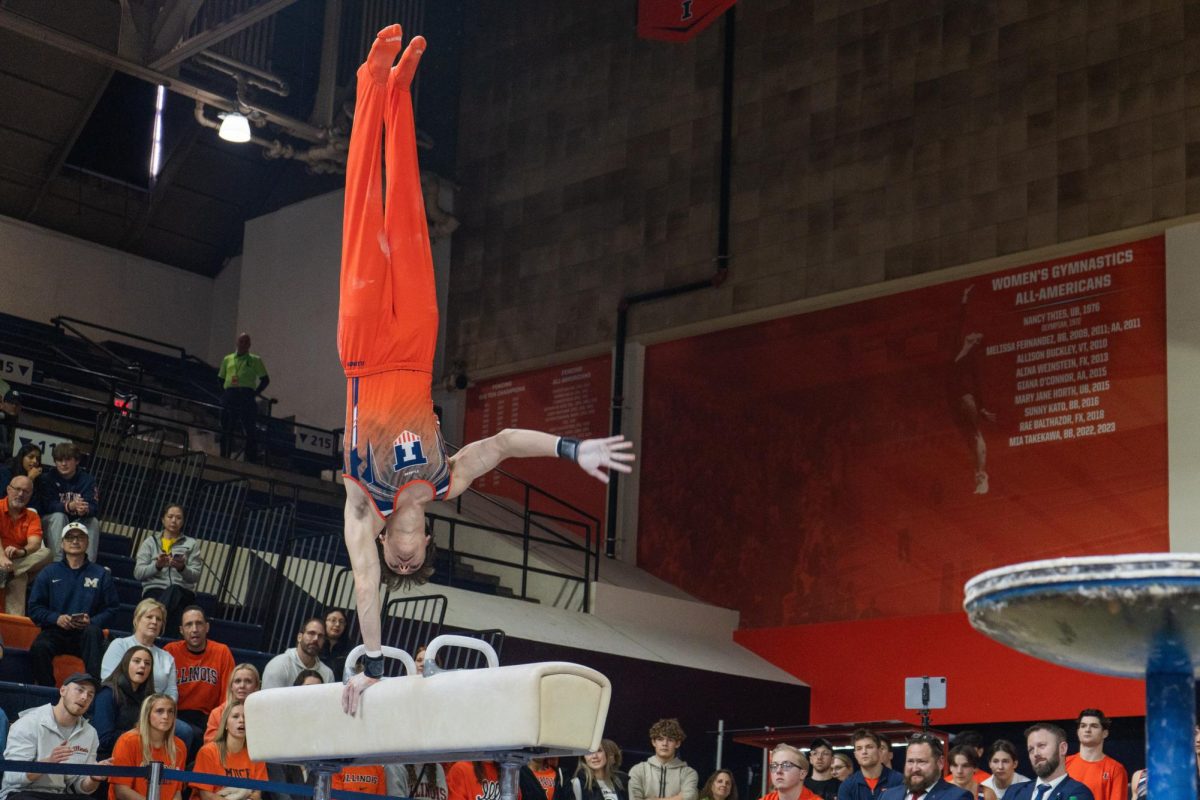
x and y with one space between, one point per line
596 457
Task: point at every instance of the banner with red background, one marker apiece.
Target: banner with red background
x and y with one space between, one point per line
566 400
864 461
678 20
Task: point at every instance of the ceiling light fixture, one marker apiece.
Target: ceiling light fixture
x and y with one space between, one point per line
234 128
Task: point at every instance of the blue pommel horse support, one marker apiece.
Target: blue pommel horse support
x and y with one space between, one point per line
1130 616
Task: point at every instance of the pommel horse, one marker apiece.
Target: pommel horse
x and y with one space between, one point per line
504 714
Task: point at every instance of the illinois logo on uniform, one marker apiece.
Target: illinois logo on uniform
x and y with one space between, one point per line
409 452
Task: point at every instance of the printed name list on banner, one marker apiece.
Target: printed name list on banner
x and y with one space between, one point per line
1079 327
567 400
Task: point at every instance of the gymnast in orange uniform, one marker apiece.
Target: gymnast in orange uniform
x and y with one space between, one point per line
395 460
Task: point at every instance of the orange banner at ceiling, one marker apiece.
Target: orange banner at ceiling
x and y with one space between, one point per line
678 20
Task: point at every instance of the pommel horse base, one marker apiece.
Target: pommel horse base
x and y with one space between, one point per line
505 714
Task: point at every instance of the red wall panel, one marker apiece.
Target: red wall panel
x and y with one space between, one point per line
856 671
822 467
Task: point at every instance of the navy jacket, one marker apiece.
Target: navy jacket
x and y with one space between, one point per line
855 787
1069 789
942 790
56 490
59 590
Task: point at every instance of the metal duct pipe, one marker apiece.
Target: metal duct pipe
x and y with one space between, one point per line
244 72
322 113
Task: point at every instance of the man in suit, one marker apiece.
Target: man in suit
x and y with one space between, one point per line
924 765
1047 745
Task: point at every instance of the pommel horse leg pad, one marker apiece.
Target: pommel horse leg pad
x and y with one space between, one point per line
477 714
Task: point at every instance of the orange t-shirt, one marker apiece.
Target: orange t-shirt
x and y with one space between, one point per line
545 778
461 783
237 765
214 722
805 793
365 778
201 677
127 752
15 533
1106 778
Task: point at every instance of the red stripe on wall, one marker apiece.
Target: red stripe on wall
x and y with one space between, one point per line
857 671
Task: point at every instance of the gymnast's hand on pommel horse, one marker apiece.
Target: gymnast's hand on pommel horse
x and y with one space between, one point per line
395 459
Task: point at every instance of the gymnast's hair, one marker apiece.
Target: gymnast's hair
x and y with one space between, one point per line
612 762
222 740
143 729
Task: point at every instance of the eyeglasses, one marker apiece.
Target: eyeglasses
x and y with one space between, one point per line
783 766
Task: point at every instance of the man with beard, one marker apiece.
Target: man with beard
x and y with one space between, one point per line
924 764
1047 745
283 668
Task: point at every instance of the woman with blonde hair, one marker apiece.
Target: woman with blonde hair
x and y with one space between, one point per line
149 618
154 739
598 775
243 682
843 766
227 755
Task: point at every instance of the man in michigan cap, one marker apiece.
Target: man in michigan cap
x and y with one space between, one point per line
73 601
57 734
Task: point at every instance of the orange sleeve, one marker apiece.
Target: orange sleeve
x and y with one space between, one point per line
459 781
127 752
214 719
208 761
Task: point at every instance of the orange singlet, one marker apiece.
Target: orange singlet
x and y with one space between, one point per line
388 318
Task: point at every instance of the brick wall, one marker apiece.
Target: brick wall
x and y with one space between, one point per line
873 140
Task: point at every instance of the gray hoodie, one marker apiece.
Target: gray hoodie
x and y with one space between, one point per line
33 737
283 669
154 578
652 778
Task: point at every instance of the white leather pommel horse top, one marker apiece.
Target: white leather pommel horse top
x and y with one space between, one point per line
505 714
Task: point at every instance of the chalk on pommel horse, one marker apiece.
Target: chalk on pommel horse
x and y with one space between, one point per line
505 714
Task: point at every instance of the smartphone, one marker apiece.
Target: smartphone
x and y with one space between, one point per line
78 617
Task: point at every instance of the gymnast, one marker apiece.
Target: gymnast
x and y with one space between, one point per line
395 459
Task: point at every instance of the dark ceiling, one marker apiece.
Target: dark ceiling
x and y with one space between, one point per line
77 94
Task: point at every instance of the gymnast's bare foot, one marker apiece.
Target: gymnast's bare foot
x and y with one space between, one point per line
383 53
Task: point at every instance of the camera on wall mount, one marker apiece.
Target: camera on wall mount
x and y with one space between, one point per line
923 695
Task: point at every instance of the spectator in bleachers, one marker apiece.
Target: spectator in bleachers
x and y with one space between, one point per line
719 786
283 668
788 768
924 765
963 772
362 778
28 462
664 774
873 776
1103 774
598 776
540 779
56 734
974 740
418 781
10 410
308 677
202 669
73 601
21 537
243 683
843 767
152 740
227 755
243 378
1046 744
169 564
471 780
337 642
69 495
820 780
119 701
1002 758
148 619
885 754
